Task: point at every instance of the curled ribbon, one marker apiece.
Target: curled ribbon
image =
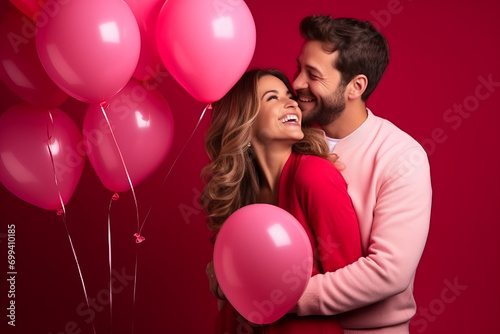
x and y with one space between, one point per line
62 212
139 238
104 105
137 235
208 107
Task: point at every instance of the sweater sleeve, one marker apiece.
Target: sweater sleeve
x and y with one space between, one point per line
322 193
399 232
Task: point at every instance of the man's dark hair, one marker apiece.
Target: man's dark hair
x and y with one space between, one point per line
362 48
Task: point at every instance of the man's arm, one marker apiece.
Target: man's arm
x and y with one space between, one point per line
399 232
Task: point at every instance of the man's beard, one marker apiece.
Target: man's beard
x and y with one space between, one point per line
328 108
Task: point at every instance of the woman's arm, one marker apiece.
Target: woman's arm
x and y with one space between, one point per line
322 192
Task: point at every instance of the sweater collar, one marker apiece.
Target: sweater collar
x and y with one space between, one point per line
357 135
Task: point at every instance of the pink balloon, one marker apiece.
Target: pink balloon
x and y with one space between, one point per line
26 168
143 126
90 48
206 45
146 13
20 67
263 261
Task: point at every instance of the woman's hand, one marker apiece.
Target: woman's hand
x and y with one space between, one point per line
214 285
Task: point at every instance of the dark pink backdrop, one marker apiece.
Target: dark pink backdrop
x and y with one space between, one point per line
443 52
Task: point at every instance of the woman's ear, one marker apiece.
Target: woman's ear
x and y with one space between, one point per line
357 87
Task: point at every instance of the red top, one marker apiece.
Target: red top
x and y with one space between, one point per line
314 192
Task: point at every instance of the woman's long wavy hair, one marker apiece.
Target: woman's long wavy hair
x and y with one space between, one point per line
232 177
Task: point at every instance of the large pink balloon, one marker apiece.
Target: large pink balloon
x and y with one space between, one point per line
146 13
26 168
90 48
206 45
263 261
20 67
143 126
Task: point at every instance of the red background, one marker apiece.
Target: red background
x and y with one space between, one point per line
439 51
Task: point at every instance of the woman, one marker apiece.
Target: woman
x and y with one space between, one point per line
260 154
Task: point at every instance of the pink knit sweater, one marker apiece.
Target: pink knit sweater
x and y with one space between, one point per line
388 179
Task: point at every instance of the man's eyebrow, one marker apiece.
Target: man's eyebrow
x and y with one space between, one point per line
309 67
312 68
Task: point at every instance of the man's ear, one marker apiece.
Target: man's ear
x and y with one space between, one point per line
357 87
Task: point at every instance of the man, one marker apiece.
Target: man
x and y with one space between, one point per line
339 66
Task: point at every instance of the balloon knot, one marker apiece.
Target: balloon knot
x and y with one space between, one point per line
115 197
209 106
139 238
104 105
60 212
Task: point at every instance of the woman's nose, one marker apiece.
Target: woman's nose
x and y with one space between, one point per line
291 103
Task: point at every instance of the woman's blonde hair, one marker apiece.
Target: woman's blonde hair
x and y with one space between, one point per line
232 177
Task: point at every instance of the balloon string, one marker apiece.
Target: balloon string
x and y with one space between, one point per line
113 198
209 106
135 289
62 213
104 105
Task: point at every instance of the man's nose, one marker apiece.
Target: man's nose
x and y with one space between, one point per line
299 82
